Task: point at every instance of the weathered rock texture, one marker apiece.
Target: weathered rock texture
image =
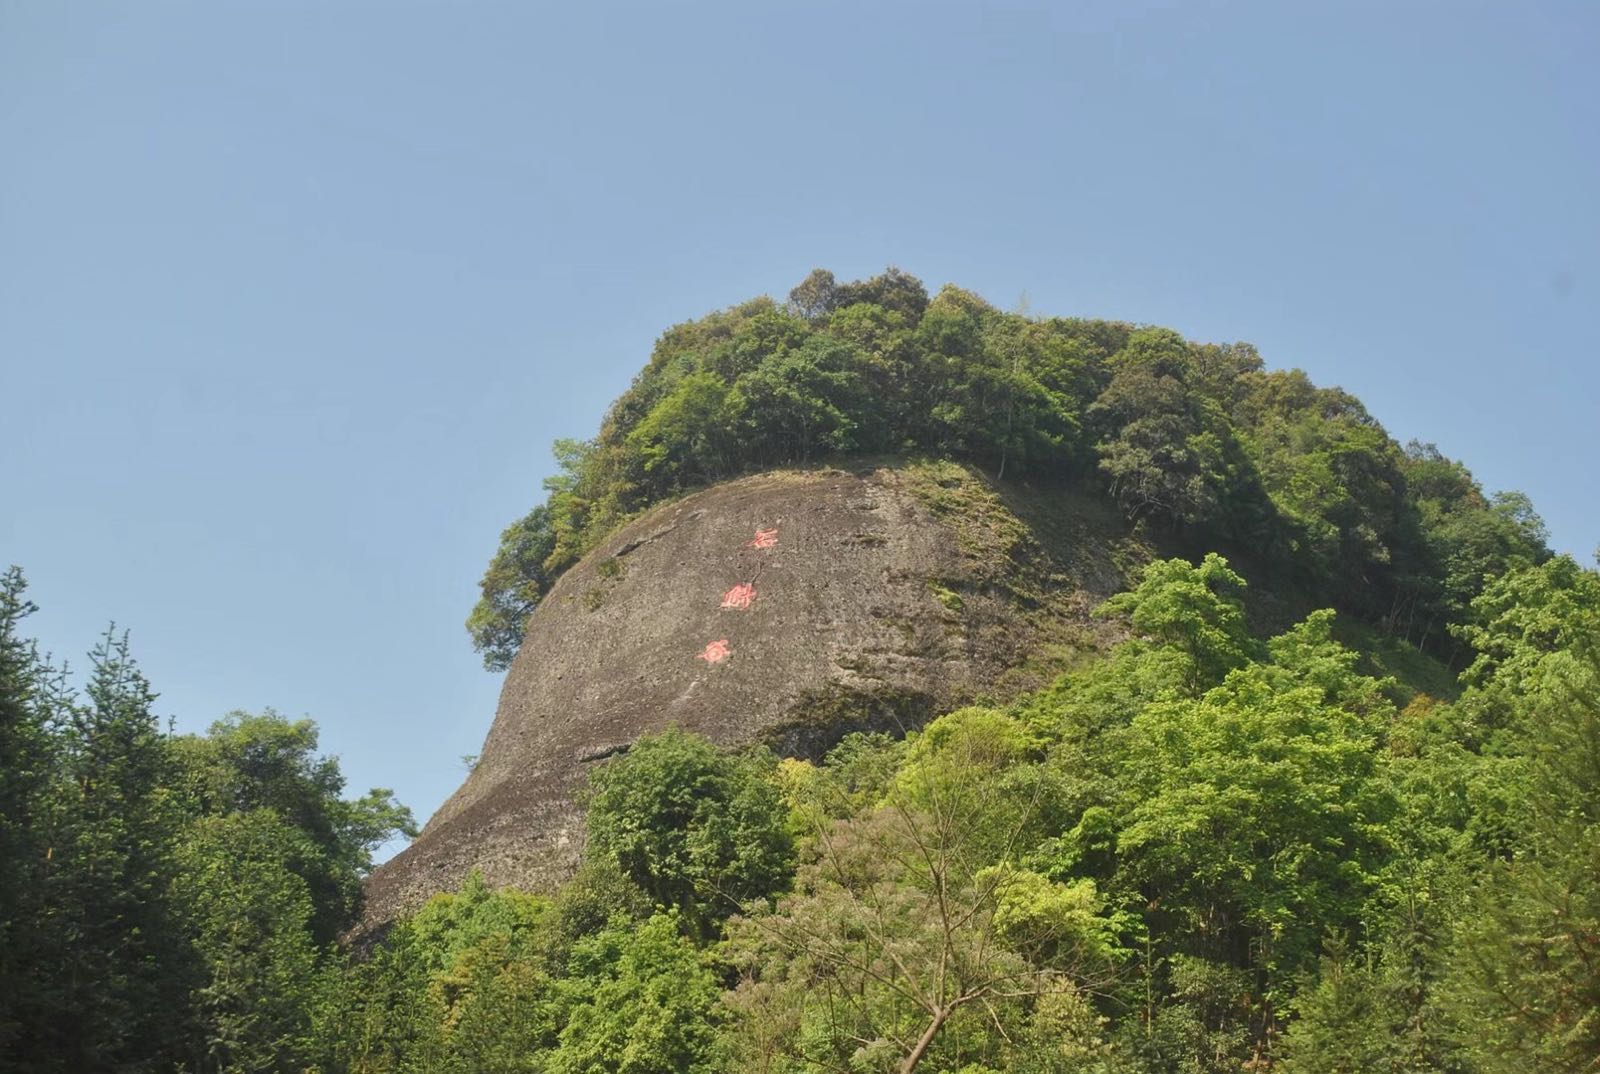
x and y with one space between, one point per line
878 598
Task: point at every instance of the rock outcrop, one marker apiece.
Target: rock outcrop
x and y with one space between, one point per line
787 608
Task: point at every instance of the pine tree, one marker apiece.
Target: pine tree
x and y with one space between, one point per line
124 971
26 756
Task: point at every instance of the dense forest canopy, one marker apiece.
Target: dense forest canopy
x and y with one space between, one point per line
1198 441
1213 848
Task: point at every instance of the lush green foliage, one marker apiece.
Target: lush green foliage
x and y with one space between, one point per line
500 981
28 753
696 829
1196 440
169 902
1208 851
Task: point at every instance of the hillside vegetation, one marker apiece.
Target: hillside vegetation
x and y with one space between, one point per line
1363 839
1199 441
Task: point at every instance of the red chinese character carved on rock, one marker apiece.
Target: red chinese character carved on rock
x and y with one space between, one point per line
716 652
739 597
764 539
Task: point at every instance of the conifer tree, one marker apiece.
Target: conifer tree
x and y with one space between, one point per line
124 970
25 762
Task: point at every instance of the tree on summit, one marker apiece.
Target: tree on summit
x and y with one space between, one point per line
1164 448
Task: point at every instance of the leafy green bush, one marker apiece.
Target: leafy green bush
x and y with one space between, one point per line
698 829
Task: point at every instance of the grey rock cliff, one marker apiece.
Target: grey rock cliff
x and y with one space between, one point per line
786 608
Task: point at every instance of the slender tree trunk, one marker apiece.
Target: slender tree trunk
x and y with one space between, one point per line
927 1039
1011 409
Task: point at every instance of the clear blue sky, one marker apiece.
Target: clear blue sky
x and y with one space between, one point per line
294 296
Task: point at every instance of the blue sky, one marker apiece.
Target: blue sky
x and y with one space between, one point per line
294 296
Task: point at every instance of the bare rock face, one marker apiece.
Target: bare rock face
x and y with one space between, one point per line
786 608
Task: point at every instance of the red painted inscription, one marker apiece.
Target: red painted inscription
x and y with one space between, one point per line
739 597
716 652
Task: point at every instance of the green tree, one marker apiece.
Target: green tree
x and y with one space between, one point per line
378 1014
1345 519
1165 446
1470 540
978 390
124 968
513 586
800 404
912 931
1192 610
269 866
1526 617
637 999
463 985
683 441
892 289
697 829
1346 1023
28 753
815 296
1040 390
1253 821
249 916
175 899
248 762
1527 973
